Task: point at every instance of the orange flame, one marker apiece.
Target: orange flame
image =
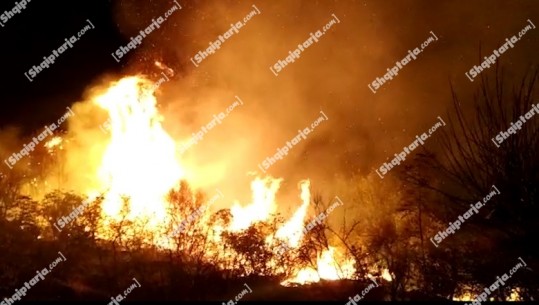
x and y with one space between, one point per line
140 160
263 205
328 268
292 231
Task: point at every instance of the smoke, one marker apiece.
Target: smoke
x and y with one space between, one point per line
363 130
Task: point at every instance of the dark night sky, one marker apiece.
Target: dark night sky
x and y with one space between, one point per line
35 32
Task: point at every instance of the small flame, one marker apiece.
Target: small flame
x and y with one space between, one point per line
328 268
292 231
263 205
386 275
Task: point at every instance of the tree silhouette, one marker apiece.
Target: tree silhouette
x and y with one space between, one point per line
470 160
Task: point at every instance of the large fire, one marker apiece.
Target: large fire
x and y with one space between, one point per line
141 162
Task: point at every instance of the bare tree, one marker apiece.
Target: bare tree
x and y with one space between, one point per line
473 156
